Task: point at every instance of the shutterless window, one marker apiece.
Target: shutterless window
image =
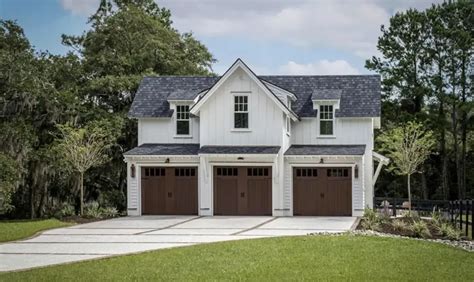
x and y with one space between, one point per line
326 120
241 112
182 120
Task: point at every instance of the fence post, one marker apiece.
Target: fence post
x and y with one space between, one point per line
460 214
467 218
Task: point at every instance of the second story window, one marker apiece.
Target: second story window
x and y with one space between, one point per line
326 120
241 112
182 120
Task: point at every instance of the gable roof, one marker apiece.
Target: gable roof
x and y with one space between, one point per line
360 94
239 64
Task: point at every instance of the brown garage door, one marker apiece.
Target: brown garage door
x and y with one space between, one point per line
322 191
170 190
242 190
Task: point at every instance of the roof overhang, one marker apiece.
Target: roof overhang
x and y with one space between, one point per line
239 64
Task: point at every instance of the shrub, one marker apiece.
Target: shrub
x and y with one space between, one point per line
420 229
67 210
110 212
92 210
371 220
399 225
449 232
411 214
437 218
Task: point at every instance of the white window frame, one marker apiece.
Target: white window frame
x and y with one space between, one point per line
240 94
333 135
177 135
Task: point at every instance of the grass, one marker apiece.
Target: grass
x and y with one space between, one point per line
288 258
19 229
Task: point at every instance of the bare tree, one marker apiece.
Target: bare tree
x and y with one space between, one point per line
408 146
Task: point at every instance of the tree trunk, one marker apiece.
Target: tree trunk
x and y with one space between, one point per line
442 124
32 202
81 188
409 193
455 146
464 121
424 186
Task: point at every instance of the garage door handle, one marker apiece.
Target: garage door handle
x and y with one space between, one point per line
242 195
170 194
322 195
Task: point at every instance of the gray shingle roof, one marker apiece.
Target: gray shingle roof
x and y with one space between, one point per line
326 94
323 150
164 149
239 150
360 94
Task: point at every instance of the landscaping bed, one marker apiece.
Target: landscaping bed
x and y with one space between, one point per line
411 225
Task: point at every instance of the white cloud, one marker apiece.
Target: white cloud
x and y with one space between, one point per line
349 26
323 67
80 7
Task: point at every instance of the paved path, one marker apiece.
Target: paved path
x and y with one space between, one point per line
136 234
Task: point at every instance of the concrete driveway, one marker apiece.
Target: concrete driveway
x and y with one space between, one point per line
137 234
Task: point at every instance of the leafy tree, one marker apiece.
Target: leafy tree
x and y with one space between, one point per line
408 146
83 148
425 61
8 182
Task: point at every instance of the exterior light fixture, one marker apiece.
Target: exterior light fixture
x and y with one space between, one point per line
132 171
167 161
356 171
240 158
321 161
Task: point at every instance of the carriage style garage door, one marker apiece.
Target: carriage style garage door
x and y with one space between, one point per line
321 191
242 190
169 190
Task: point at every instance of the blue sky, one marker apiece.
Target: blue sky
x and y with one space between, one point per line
271 36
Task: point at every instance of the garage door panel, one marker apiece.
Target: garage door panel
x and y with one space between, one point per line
168 191
258 199
322 191
242 191
225 196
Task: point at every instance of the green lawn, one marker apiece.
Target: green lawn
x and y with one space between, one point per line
19 229
289 258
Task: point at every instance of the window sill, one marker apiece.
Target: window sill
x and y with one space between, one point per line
241 130
326 136
183 137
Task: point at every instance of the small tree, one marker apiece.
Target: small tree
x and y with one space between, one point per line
83 148
408 146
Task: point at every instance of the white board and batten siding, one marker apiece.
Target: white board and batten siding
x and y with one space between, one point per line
217 115
163 130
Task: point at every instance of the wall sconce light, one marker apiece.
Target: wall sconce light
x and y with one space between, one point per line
167 161
321 161
356 171
132 171
240 158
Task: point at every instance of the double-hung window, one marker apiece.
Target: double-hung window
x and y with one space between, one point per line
182 120
241 112
326 120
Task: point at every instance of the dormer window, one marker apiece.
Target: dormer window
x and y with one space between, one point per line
182 120
326 120
241 112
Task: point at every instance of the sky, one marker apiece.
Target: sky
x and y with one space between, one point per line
318 37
